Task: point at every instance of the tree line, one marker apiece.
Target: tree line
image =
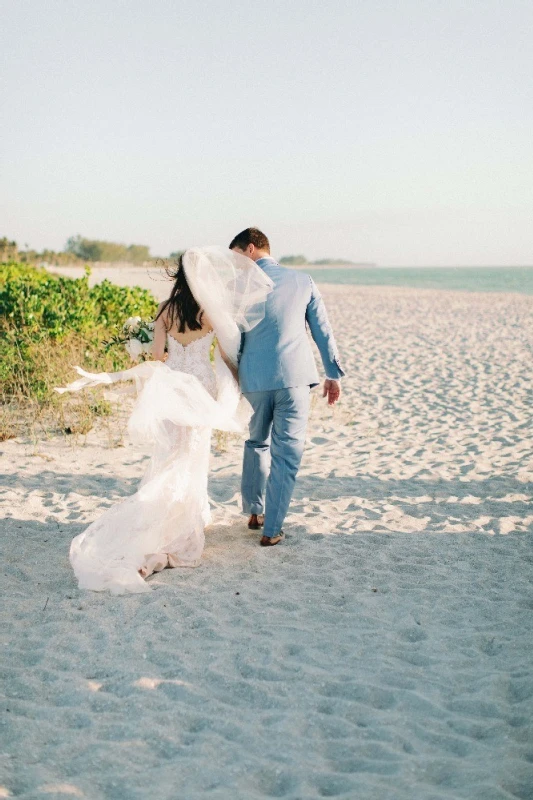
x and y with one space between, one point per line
96 250
78 250
10 252
297 260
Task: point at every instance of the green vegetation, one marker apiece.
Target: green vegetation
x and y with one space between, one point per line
94 250
78 251
331 261
48 324
297 260
292 260
9 252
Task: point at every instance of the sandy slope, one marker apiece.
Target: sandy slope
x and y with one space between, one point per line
383 651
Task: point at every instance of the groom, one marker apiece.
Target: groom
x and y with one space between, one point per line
276 373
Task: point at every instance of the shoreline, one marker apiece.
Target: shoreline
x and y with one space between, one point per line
157 281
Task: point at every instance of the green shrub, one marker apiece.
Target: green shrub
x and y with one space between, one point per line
49 324
45 305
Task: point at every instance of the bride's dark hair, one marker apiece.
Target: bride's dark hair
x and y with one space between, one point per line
181 305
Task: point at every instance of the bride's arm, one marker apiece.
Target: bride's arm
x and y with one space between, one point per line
230 365
160 337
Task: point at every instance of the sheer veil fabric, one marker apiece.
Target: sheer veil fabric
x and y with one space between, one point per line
178 404
230 288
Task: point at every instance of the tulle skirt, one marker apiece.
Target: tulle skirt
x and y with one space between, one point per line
163 523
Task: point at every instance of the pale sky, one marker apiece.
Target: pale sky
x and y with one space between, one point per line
394 132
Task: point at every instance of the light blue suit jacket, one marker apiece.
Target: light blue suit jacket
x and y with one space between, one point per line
277 354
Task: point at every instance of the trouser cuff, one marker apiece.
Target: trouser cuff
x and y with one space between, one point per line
252 508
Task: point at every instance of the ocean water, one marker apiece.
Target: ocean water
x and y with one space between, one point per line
469 279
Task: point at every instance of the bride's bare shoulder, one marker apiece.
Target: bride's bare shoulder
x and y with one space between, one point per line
162 312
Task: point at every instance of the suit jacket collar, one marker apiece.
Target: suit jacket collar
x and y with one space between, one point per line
263 262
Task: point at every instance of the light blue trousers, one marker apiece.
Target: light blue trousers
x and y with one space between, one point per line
273 453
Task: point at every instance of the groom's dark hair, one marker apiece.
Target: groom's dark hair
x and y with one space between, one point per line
251 236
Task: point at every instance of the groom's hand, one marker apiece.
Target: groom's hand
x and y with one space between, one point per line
332 390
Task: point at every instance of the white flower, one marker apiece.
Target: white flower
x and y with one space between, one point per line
132 325
147 348
134 348
150 326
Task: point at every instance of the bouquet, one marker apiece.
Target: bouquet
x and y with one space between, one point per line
137 336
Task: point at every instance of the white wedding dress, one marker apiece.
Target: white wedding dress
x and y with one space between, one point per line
179 403
163 523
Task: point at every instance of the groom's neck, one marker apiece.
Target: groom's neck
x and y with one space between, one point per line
259 254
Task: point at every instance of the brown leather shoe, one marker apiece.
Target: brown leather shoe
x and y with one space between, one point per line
270 541
256 521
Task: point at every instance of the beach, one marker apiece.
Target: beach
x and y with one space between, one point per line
383 650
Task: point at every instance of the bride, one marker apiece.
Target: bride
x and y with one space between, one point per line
217 293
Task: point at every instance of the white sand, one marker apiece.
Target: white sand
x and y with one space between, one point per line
382 651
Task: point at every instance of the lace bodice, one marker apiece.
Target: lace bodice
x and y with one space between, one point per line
193 358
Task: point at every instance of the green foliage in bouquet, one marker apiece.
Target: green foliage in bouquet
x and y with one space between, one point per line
48 324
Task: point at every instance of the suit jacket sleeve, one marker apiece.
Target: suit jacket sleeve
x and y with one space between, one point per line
317 318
